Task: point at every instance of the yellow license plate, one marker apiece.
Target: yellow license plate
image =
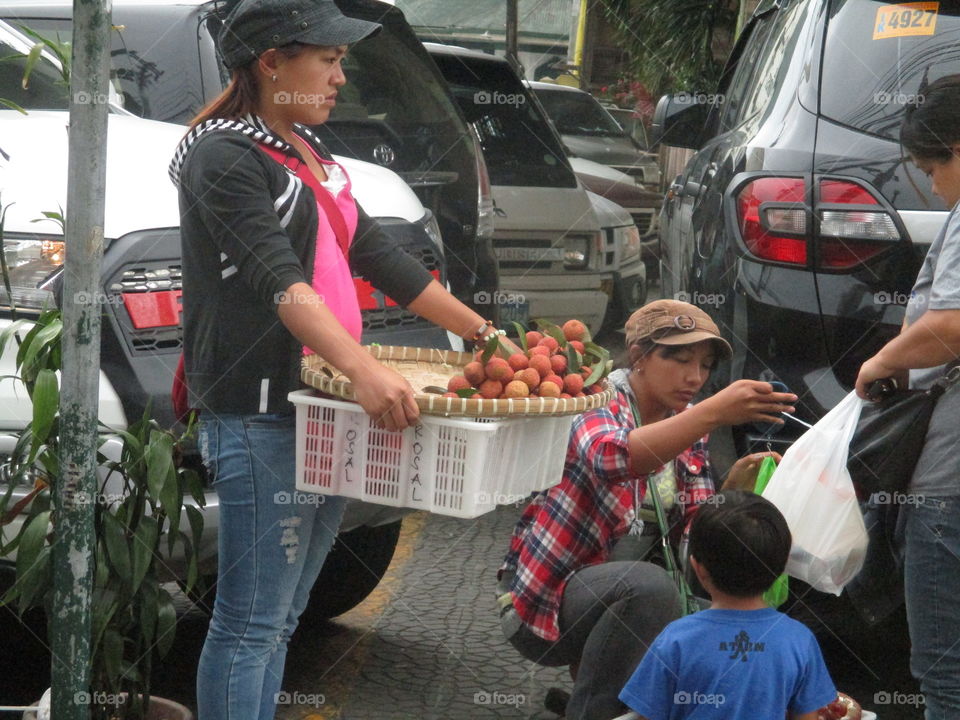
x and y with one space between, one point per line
906 19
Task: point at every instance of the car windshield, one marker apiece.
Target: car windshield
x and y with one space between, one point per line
879 57
519 146
155 75
46 89
576 113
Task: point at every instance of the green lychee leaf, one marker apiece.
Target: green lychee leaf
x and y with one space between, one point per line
592 349
492 344
521 334
467 392
555 331
574 359
598 372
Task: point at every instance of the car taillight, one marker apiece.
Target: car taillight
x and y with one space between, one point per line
851 236
154 309
772 215
853 225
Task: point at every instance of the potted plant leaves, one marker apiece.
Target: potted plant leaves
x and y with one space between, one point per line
138 510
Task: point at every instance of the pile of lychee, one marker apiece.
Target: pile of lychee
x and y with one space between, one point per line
543 370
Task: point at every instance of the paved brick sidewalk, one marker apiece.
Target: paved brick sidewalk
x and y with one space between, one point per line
436 651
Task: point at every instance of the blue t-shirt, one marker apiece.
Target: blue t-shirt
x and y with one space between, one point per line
730 664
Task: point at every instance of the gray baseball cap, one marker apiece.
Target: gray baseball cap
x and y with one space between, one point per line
254 26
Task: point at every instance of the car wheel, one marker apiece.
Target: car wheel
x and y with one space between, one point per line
354 567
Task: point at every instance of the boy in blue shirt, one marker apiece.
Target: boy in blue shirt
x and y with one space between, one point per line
739 659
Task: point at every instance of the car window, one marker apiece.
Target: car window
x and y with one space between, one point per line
576 113
153 63
46 89
878 58
383 88
519 146
746 66
775 59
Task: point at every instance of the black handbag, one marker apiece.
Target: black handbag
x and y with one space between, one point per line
890 436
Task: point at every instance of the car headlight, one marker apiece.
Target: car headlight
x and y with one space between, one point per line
432 228
628 240
32 261
576 252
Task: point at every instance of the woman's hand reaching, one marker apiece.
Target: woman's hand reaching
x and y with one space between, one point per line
749 401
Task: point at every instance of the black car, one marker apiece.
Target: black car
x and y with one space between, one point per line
798 224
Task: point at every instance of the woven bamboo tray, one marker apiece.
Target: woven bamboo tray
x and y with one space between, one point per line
425 367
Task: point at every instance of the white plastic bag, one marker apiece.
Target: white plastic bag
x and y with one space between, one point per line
813 490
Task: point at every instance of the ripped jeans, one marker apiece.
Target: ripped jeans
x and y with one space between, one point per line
272 544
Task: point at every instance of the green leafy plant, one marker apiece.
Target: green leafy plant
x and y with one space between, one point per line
674 45
137 526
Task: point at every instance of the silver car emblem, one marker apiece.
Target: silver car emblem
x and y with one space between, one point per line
384 155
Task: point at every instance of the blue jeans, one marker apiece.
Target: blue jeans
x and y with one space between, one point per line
272 544
932 577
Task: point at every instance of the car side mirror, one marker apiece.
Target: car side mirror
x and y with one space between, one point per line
679 119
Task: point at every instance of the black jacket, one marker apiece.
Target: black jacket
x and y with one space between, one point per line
248 230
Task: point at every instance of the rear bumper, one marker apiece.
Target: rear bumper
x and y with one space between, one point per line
558 298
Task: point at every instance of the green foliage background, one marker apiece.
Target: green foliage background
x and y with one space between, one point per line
671 42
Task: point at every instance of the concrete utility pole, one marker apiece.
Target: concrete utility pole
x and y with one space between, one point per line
73 549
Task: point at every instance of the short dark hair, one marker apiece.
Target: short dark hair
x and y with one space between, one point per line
930 126
742 540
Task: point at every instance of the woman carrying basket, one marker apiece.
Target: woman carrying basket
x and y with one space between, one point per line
926 346
270 236
566 596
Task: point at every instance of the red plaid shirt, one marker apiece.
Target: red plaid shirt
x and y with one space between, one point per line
577 522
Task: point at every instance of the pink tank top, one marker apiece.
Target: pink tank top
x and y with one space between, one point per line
332 279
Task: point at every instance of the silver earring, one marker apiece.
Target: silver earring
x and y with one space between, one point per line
274 78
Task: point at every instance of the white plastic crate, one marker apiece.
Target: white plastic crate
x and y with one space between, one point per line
453 466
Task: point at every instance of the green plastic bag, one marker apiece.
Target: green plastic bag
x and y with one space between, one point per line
776 594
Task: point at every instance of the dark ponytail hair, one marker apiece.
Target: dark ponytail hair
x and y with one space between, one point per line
242 94
931 127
